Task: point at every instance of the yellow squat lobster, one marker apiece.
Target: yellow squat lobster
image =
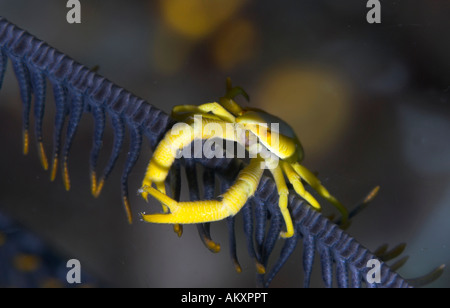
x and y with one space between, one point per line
285 158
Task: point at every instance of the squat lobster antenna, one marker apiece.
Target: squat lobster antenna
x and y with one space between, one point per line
232 92
359 207
365 202
227 101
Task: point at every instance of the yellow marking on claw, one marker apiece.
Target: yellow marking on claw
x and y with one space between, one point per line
128 210
44 161
66 177
212 246
371 195
178 229
260 269
99 187
54 169
26 141
237 267
94 183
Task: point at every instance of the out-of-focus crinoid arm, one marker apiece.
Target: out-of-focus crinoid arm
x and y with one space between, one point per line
78 90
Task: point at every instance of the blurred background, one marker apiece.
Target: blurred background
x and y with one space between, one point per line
370 103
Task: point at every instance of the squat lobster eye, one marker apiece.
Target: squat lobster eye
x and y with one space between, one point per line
282 143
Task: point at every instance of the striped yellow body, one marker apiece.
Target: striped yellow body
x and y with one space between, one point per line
166 151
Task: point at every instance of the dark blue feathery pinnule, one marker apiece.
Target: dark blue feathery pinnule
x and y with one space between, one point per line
209 189
99 116
326 263
286 251
77 90
224 185
194 195
232 243
118 126
247 214
38 83
203 229
269 196
76 107
309 252
59 94
23 78
261 215
132 157
209 184
192 177
3 64
175 180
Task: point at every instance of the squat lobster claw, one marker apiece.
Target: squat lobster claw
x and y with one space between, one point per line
284 149
210 210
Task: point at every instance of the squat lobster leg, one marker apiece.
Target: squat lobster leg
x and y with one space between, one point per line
209 210
314 182
283 193
295 180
